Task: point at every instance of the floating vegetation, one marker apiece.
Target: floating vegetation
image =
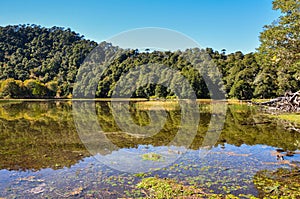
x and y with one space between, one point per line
152 157
154 187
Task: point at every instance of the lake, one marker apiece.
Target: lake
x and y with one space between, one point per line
62 149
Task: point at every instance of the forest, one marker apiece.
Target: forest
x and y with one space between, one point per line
39 62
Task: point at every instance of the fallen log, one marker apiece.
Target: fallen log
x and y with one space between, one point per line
290 102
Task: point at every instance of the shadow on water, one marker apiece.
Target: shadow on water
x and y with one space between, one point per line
40 149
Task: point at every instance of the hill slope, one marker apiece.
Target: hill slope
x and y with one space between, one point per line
38 62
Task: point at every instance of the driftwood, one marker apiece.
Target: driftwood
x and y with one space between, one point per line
290 102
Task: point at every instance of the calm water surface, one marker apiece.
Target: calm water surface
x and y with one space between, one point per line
44 153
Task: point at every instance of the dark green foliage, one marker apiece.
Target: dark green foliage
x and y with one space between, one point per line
50 59
239 72
41 54
10 88
279 52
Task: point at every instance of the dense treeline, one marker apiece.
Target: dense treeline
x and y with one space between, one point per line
147 70
42 61
38 62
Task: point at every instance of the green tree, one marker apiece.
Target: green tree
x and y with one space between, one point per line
52 86
35 88
280 47
11 88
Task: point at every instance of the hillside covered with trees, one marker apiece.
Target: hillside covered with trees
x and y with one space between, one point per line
38 62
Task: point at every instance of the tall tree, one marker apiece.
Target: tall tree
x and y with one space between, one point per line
280 47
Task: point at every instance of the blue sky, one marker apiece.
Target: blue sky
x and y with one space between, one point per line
230 24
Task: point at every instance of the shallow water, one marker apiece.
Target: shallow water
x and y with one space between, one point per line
62 149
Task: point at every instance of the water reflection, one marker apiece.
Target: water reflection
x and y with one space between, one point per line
36 135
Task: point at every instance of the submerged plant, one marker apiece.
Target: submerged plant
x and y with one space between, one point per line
152 157
283 183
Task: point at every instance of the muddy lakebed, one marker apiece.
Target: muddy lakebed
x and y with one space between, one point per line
48 149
